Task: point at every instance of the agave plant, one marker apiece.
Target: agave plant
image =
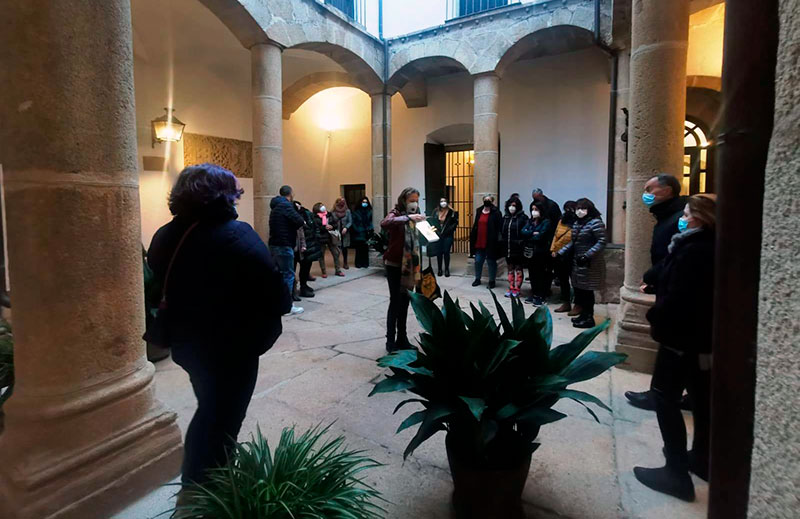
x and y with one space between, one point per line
306 476
6 362
490 386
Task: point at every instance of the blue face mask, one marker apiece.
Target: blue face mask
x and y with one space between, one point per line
364 204
683 224
649 199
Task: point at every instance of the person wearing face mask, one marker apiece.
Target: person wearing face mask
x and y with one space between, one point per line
537 247
445 221
513 244
308 251
403 265
342 221
362 232
327 240
549 211
662 196
483 240
588 265
681 322
563 264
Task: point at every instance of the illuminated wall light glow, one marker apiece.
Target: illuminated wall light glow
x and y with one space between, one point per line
328 108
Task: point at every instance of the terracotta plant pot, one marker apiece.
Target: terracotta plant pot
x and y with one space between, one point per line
487 494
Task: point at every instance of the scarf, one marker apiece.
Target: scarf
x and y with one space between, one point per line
324 217
677 238
410 268
340 210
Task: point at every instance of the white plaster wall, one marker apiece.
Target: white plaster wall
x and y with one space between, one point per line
553 127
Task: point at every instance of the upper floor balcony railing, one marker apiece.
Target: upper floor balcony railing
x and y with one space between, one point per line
459 8
355 10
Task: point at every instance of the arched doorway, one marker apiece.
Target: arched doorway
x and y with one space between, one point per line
698 159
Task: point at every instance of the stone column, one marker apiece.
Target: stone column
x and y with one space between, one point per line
267 91
660 32
622 95
84 434
487 138
380 203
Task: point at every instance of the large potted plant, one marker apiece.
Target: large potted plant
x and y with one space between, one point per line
490 387
304 476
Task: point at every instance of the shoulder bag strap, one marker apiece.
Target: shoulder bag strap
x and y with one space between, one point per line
172 261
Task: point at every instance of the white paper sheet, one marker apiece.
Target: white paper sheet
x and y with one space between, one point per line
427 231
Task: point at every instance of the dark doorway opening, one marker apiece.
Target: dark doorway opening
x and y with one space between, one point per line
353 193
449 173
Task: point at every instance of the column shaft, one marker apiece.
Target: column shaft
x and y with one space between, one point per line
84 433
660 32
622 95
381 204
267 91
487 138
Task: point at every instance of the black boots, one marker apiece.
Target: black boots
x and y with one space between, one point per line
644 400
667 480
306 291
446 272
583 321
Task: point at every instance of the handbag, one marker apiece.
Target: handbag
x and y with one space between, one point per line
527 251
336 237
429 287
157 331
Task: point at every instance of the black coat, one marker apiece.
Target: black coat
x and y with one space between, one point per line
224 291
284 220
311 230
667 215
363 227
513 241
683 313
494 230
550 211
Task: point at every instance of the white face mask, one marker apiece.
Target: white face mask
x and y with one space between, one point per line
512 209
323 209
580 213
442 204
412 207
534 214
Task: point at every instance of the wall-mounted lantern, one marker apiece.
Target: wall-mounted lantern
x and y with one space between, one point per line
167 128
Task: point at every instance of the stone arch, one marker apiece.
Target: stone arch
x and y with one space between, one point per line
460 133
546 42
304 88
411 79
306 25
707 82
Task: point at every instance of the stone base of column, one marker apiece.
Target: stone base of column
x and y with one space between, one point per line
87 457
631 335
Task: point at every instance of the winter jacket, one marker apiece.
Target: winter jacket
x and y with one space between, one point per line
562 237
311 231
667 215
362 225
682 315
588 241
284 220
225 293
513 240
323 234
395 224
495 228
340 224
536 236
549 211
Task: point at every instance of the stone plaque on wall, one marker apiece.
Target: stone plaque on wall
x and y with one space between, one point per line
231 154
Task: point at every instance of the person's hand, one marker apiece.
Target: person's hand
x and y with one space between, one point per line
344 231
555 254
303 249
416 217
643 288
329 227
536 233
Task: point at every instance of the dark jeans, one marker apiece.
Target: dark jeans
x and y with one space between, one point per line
344 254
563 269
223 387
540 279
284 259
584 299
672 373
399 300
480 259
445 245
305 271
362 254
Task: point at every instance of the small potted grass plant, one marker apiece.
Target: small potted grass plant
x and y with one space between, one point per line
491 387
305 476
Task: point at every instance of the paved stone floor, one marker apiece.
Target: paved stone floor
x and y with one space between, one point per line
323 367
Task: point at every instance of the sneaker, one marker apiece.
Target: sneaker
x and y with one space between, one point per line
509 293
529 299
515 294
587 322
538 301
296 310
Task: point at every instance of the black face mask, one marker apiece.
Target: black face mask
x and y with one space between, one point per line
487 203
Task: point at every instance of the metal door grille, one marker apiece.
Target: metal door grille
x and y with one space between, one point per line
459 180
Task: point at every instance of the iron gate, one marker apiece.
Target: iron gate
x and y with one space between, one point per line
460 184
